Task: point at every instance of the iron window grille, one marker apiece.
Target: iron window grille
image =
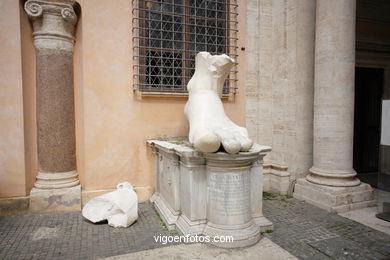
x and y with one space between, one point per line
167 34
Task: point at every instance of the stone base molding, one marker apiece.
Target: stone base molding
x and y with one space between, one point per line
190 227
213 194
167 213
55 192
335 178
244 235
334 199
264 223
276 178
57 180
55 200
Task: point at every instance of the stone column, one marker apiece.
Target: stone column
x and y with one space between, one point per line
333 112
334 86
54 24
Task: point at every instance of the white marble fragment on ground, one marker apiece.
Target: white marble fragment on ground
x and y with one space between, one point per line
119 207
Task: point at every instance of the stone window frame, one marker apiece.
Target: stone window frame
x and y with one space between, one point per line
163 63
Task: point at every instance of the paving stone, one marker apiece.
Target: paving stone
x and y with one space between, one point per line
340 248
309 232
305 231
69 236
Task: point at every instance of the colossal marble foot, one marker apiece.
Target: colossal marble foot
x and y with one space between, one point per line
209 125
232 137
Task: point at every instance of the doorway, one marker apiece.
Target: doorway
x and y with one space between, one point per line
367 123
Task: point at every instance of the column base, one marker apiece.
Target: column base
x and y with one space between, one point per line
334 178
334 199
55 200
56 180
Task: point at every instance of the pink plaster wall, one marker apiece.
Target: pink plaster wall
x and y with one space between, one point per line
113 122
29 104
12 161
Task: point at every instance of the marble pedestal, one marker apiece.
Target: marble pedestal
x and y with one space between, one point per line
211 194
334 199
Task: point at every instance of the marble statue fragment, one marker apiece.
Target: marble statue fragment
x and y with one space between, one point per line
209 125
119 207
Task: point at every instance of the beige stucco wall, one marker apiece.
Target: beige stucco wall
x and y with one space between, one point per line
113 122
29 104
280 82
12 165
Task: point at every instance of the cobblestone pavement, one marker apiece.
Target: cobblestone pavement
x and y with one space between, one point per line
305 231
308 232
69 236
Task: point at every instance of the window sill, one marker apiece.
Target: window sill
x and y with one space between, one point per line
172 94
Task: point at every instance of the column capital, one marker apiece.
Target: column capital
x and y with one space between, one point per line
37 8
53 22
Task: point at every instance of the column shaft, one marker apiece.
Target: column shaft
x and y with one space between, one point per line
55 111
334 94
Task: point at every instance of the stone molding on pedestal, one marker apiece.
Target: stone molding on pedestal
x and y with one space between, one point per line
212 194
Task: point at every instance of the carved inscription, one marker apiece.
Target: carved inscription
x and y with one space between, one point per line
229 196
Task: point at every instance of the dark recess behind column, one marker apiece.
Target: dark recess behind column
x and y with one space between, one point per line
367 123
